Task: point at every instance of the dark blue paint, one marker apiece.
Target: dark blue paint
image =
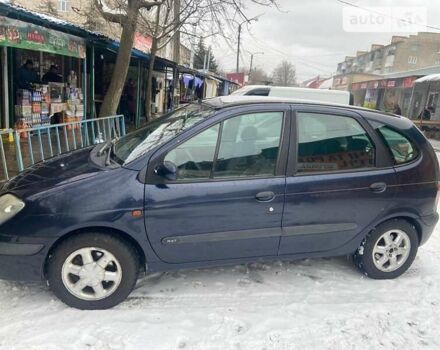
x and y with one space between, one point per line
333 198
69 193
219 206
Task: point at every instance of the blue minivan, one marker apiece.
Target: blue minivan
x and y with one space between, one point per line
226 181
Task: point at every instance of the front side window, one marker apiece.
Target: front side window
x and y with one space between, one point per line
248 147
401 148
194 158
328 143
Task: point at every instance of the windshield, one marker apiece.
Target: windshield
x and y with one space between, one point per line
156 133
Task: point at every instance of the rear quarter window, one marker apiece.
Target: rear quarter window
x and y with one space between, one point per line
401 148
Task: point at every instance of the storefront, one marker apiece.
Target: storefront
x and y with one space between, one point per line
385 94
398 93
368 94
43 74
426 96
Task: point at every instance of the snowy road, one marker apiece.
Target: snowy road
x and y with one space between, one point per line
308 304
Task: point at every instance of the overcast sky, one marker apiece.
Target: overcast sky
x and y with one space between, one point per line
309 34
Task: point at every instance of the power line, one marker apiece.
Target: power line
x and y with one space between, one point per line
315 66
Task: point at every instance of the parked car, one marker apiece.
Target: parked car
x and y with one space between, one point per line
330 96
227 181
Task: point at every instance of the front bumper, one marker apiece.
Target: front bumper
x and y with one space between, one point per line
21 261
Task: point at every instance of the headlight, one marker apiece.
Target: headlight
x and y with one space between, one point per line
9 207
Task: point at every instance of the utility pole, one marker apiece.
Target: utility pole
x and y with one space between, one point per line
238 48
239 38
250 67
204 62
208 63
252 61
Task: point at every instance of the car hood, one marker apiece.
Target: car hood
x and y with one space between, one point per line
55 172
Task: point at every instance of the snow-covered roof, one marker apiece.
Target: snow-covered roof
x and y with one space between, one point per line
428 78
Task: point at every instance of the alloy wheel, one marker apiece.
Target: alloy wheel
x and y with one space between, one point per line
91 273
391 250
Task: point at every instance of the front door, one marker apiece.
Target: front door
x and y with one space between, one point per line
227 199
339 182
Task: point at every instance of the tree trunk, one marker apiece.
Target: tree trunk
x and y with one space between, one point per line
114 92
150 80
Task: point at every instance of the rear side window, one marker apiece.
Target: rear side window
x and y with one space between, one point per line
401 148
328 143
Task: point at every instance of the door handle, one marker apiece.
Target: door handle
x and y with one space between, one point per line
265 196
378 187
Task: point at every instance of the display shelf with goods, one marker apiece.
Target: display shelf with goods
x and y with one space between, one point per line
31 109
38 106
74 105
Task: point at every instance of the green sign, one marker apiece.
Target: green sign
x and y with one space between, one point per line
24 35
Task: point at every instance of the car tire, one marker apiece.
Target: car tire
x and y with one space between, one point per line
388 250
105 266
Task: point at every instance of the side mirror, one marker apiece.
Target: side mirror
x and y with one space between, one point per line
168 170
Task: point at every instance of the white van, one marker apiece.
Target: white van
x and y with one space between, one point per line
331 96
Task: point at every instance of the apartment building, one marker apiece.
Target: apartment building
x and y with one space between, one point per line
68 10
401 54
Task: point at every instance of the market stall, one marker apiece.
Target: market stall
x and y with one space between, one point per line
45 74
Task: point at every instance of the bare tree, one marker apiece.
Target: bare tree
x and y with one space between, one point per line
48 7
259 76
157 18
284 74
92 19
126 13
161 25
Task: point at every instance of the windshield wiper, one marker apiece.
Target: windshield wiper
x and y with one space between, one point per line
111 149
104 148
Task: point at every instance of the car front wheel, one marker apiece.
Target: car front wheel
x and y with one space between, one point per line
92 271
388 251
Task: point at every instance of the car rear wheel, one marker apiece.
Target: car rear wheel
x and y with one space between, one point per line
388 251
93 271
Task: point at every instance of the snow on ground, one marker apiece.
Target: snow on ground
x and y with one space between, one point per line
307 304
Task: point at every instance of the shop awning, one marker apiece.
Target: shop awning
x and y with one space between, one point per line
25 35
428 78
135 53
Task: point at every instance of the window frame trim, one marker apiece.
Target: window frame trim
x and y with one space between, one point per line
382 159
280 167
